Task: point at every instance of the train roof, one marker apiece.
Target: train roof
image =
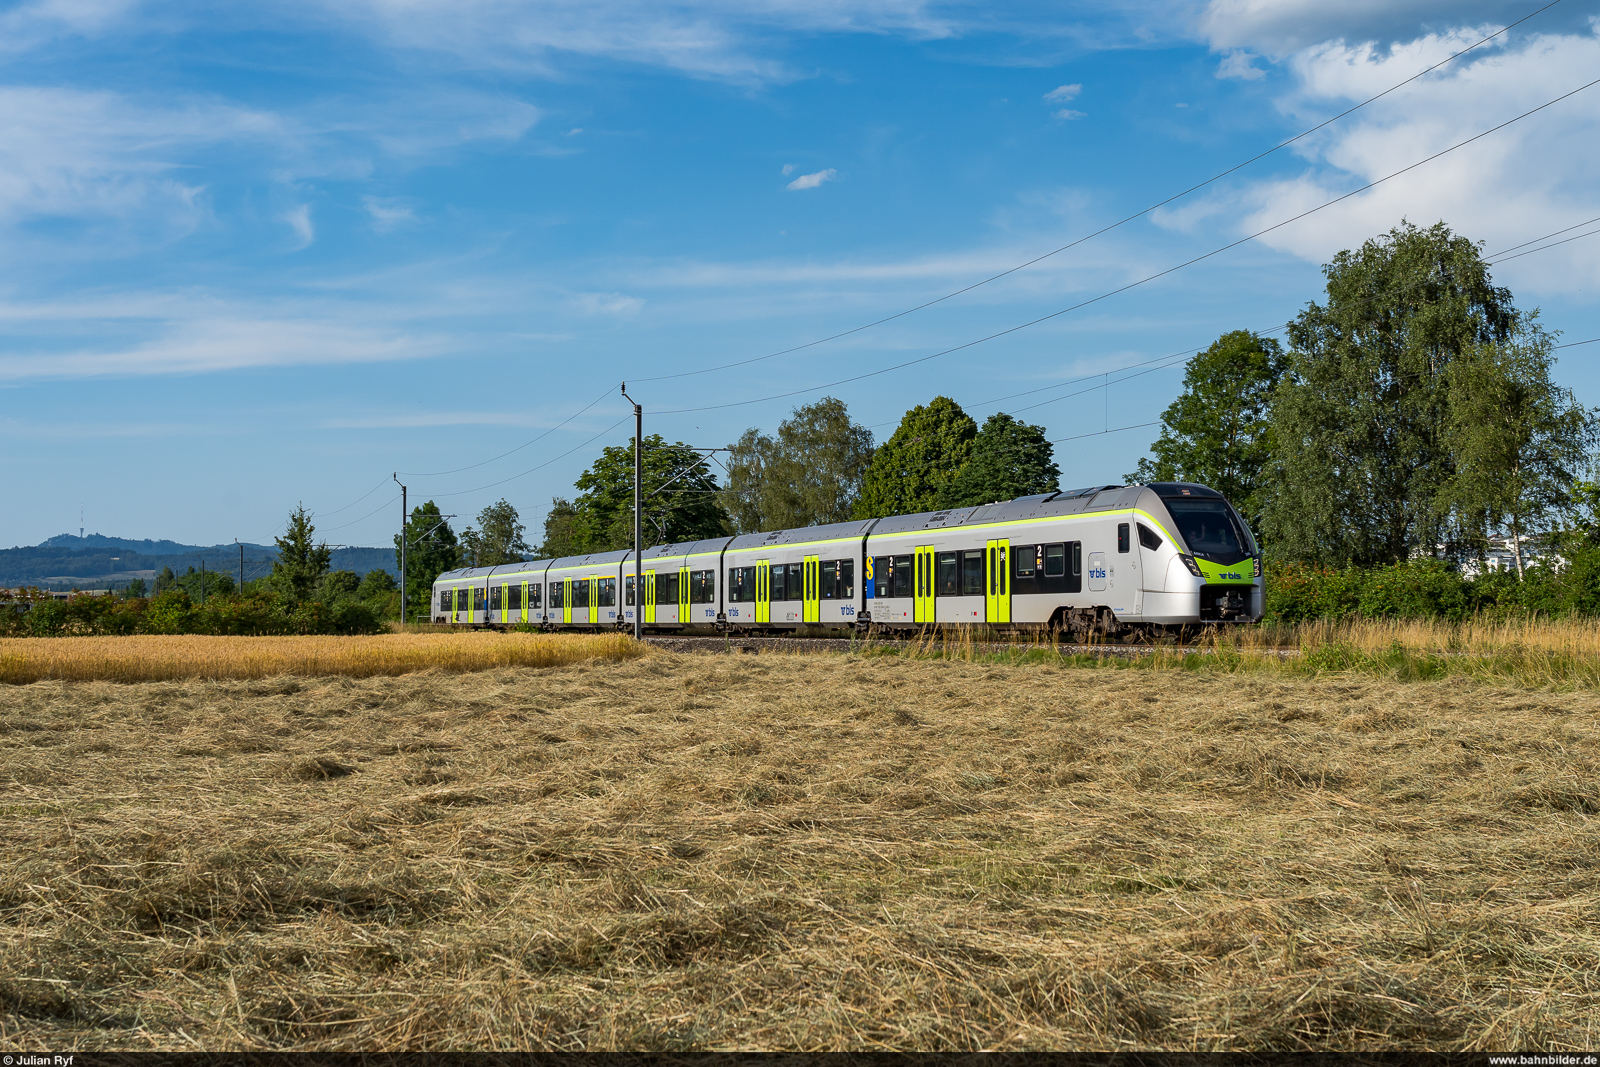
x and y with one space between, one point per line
835 531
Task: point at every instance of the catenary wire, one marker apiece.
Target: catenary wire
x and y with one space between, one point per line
519 448
1112 226
1140 281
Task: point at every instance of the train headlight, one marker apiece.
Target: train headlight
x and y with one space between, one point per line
1194 568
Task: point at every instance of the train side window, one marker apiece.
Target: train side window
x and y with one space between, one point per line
1055 560
797 581
514 597
478 598
1026 560
949 579
1123 542
902 575
608 592
627 590
444 600
847 579
1148 537
882 577
557 593
830 579
703 587
667 588
494 598
580 592
533 594
1075 575
777 588
972 572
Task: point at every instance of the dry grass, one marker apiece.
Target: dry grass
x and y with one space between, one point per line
162 659
787 851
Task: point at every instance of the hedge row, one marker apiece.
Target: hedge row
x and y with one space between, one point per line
1431 589
172 612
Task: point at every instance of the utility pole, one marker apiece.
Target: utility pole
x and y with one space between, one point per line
638 515
241 565
396 477
202 579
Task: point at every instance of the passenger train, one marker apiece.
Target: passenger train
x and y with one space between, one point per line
1113 561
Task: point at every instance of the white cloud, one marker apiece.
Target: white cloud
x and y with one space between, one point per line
618 305
388 212
1068 114
69 153
299 220
1239 64
788 169
707 38
1280 27
1063 94
205 345
811 181
1530 178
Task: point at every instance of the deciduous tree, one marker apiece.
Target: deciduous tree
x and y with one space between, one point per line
1219 430
432 550
809 474
925 453
1009 459
498 538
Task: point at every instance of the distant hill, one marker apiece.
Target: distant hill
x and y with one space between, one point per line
97 561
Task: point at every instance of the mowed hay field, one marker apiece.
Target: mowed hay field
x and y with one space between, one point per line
806 851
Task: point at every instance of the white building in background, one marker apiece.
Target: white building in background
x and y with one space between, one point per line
1502 556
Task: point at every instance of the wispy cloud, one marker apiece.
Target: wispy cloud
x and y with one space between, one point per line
1063 94
298 219
617 305
1240 65
1068 114
388 212
202 346
811 181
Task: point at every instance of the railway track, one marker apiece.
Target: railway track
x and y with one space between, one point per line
756 645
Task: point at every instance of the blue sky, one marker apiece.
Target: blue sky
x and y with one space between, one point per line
264 256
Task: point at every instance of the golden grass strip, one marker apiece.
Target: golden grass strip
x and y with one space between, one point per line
175 658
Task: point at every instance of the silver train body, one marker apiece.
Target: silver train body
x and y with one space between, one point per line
1113 561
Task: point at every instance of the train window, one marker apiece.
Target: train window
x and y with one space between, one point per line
514 597
703 587
949 575
627 589
883 577
777 587
902 575
533 594
608 592
444 600
1026 559
847 579
667 588
1055 561
830 581
1077 559
494 598
972 572
580 592
557 592
1148 537
1123 542
478 598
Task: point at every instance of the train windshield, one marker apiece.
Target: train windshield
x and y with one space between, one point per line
1210 529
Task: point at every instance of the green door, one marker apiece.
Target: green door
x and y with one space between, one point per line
566 601
812 570
594 599
455 606
997 583
649 596
763 591
683 595
524 603
922 607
